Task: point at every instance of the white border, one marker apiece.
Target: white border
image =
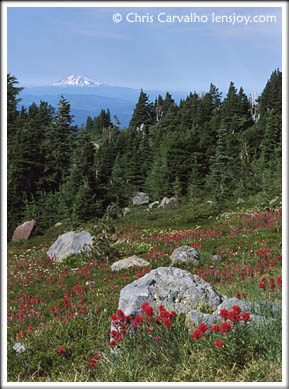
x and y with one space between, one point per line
175 4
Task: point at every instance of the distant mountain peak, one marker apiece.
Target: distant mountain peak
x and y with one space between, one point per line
77 80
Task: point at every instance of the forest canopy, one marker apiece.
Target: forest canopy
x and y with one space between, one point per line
206 146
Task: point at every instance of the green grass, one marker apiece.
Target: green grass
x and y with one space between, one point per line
53 306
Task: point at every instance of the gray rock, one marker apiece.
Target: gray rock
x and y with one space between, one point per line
70 243
163 202
227 214
24 231
262 308
89 283
174 288
125 211
129 262
154 204
194 318
19 347
240 200
216 258
140 198
113 211
185 254
274 200
169 202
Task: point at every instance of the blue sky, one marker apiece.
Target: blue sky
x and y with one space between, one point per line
46 44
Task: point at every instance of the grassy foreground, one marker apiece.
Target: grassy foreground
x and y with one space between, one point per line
62 313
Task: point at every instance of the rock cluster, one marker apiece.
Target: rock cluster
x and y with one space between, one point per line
183 292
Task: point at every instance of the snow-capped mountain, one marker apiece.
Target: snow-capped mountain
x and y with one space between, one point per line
88 97
77 80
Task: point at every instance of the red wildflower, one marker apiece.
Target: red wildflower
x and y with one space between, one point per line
263 283
226 327
203 327
236 309
197 334
120 314
238 295
279 282
147 310
60 350
112 343
92 362
244 295
167 322
216 328
234 315
224 314
21 335
245 316
156 338
126 321
115 335
218 344
272 283
138 320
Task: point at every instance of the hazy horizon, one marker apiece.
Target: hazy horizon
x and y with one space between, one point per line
45 44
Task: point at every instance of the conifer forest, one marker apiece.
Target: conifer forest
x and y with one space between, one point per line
209 145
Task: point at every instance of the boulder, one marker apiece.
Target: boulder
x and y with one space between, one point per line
140 198
216 258
19 347
174 288
262 308
169 202
125 211
154 204
260 312
129 262
194 318
113 211
185 254
70 243
24 231
274 200
240 200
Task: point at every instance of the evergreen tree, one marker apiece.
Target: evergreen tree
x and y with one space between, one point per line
157 182
12 99
61 143
89 124
271 97
143 113
101 122
80 190
220 177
